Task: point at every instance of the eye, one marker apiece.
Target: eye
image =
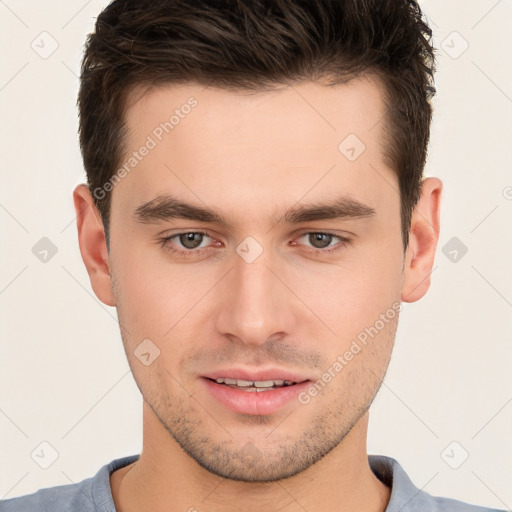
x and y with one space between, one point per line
190 240
321 241
190 243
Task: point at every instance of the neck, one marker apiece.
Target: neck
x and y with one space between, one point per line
341 481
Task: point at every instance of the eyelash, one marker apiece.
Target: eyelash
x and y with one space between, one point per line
165 242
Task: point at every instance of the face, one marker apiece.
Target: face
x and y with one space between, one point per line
271 282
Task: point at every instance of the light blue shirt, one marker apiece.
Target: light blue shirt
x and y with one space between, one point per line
94 494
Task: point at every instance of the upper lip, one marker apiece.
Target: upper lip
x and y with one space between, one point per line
255 375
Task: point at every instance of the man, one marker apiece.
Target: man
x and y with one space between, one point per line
256 211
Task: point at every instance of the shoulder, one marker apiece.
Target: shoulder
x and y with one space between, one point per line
90 495
60 498
448 504
406 497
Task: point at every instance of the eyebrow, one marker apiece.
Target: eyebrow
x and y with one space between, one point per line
168 207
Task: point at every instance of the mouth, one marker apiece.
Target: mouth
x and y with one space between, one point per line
254 392
253 385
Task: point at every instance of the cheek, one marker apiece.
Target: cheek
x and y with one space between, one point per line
142 292
351 295
155 298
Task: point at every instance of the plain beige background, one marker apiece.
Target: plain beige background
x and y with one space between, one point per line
64 378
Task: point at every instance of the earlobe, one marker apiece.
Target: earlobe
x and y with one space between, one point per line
423 238
93 247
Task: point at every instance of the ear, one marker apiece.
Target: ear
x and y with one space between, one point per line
93 246
423 237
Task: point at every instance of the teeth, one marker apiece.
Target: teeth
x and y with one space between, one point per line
264 383
251 383
243 383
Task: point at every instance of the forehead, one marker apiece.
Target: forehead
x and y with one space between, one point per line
276 146
312 112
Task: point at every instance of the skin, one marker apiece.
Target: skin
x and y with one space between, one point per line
252 156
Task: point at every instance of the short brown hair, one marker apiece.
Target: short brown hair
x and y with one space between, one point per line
255 45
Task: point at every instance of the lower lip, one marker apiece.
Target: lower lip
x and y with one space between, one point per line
254 402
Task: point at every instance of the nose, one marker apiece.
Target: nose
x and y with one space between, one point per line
254 302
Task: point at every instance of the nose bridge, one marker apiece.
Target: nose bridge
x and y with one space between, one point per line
254 304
